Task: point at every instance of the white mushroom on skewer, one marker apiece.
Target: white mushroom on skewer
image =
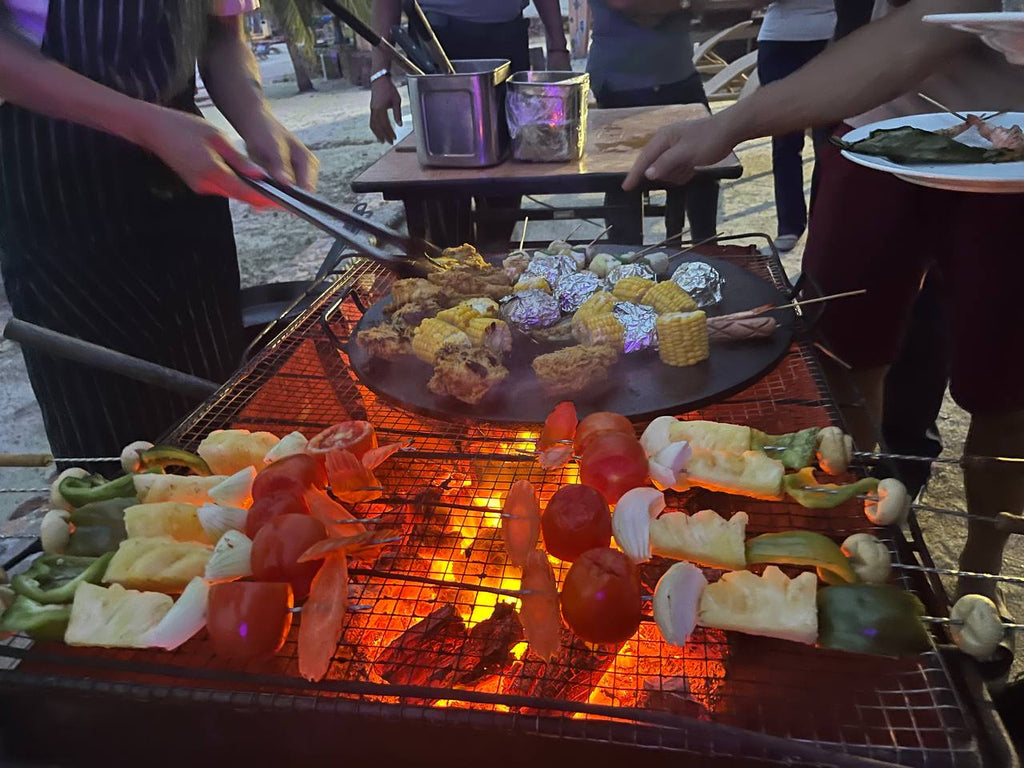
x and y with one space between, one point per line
975 626
890 506
869 557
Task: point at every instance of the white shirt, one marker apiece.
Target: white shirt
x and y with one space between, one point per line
30 15
798 21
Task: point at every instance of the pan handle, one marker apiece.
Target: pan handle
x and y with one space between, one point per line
87 353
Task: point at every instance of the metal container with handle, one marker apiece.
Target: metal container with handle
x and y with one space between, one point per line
547 115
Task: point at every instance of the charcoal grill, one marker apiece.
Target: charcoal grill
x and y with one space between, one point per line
751 700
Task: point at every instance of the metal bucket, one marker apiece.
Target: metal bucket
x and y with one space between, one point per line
547 115
459 119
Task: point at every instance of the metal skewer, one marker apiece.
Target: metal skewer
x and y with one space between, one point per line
387 575
820 299
600 234
662 244
574 230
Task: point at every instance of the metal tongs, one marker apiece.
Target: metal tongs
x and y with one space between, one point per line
416 254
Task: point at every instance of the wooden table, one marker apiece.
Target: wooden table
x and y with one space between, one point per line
614 137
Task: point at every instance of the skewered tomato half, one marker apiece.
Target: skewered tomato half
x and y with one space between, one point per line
356 437
277 547
249 619
601 596
613 464
576 519
595 424
291 475
268 507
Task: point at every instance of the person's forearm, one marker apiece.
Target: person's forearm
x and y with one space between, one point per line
231 74
551 16
386 14
30 80
868 68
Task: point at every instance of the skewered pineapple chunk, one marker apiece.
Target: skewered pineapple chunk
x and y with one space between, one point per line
632 288
432 334
459 315
601 328
493 335
683 338
532 283
669 297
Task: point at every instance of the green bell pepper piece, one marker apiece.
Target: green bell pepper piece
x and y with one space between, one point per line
163 456
871 618
801 548
797 485
53 579
795 450
98 527
42 622
81 491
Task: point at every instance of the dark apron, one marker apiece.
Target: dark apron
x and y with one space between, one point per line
100 240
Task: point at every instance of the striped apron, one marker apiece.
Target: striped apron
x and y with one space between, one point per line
100 240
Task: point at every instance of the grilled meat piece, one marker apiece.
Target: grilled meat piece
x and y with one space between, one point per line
466 373
559 333
385 341
410 315
464 255
427 653
414 290
574 369
461 283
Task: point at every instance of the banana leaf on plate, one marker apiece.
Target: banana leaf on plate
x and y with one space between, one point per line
915 146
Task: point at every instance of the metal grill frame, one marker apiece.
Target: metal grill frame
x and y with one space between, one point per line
117 674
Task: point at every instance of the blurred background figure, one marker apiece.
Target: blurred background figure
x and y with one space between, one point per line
793 33
641 56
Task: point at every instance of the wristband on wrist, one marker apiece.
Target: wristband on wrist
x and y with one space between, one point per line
379 74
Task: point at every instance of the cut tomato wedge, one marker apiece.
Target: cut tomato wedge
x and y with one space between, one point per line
363 545
521 521
555 443
322 618
357 437
248 620
350 480
539 614
332 514
374 457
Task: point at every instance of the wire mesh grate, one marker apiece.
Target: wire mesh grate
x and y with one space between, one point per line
444 496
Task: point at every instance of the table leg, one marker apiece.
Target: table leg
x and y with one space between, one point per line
443 220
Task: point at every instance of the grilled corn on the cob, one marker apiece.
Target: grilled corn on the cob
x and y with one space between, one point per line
532 283
632 288
683 338
599 303
485 307
459 315
669 297
601 328
432 334
491 334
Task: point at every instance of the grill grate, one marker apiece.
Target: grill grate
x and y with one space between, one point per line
903 712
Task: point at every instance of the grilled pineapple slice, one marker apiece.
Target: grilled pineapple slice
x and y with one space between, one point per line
704 538
750 473
157 563
169 518
771 605
712 436
114 617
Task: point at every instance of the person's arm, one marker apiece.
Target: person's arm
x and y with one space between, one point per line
550 14
383 94
232 78
194 149
873 65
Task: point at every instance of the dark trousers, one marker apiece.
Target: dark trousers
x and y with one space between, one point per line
776 60
698 199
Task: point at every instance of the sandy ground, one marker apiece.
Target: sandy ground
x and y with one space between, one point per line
279 247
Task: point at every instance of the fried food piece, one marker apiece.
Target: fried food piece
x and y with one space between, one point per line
410 315
464 255
559 333
384 341
460 284
574 369
414 290
466 373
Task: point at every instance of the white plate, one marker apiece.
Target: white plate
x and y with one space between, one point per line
1001 178
1002 31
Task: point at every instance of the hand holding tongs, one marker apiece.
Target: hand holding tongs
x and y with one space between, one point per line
415 259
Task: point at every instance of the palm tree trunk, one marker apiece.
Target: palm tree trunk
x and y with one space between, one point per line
288 19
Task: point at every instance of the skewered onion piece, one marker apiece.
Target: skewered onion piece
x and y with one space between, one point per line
631 522
892 506
835 449
289 445
982 629
677 602
668 468
658 435
868 557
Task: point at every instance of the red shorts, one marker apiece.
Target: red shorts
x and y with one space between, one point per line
870 230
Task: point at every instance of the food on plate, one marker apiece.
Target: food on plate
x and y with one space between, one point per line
599 303
415 290
555 444
186 617
771 605
740 329
356 437
231 558
559 334
515 264
677 602
703 537
248 620
39 621
466 373
804 488
613 463
167 518
602 264
159 563
323 616
596 423
491 334
279 544
406 318
601 599
891 505
266 508
631 522
683 338
576 519
868 557
667 296
574 369
908 145
632 288
385 341
114 617
532 283
464 255
460 283
871 618
975 626
228 450
802 548
433 335
459 315
520 521
54 579
602 328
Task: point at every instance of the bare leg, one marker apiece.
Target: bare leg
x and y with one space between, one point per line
848 387
991 488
